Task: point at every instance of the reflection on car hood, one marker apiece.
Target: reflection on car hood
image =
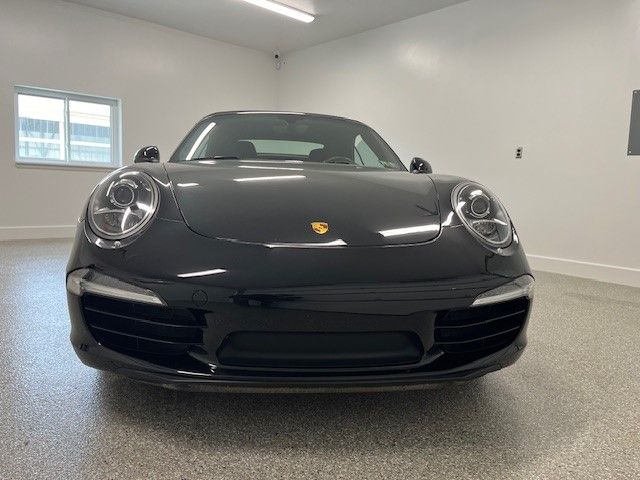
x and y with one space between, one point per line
278 203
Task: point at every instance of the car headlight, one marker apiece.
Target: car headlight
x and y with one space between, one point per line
122 204
483 214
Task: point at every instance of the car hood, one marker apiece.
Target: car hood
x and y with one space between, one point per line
276 203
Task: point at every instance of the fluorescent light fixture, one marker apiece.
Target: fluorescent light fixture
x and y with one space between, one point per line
409 230
283 10
189 184
268 179
205 273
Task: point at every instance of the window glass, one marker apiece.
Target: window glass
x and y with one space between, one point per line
59 128
281 136
90 132
363 154
41 128
284 147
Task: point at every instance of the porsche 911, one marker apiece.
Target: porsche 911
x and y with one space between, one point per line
279 251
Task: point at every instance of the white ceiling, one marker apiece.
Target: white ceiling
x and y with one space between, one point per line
241 23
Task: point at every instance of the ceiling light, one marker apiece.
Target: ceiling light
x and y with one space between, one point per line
283 10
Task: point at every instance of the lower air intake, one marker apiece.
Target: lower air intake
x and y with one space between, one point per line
479 330
153 333
294 350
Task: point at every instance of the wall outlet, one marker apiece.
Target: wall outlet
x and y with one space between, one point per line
519 151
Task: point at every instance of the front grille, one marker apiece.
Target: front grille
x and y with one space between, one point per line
143 331
181 338
479 330
320 350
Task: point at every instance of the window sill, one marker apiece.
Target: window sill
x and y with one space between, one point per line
78 167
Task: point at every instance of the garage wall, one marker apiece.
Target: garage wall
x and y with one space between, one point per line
465 85
166 79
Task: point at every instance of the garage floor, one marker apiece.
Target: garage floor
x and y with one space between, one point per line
569 409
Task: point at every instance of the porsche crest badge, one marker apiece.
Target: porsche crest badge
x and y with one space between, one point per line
320 227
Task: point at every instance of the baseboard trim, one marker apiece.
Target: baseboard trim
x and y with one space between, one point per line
37 232
594 271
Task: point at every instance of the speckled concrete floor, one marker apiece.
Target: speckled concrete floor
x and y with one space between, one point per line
569 409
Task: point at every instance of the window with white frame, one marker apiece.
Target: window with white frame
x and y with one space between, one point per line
66 129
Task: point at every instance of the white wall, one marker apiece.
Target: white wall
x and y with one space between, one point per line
465 85
167 80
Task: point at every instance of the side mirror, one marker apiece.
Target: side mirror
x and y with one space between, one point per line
420 165
149 154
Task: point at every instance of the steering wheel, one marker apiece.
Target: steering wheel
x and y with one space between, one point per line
339 159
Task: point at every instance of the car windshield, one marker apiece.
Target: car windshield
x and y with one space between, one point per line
286 136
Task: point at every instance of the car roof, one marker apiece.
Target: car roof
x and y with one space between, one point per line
277 112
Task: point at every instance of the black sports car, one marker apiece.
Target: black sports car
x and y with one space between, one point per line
294 251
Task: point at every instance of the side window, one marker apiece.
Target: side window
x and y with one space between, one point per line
363 155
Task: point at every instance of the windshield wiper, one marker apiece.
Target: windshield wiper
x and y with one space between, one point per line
215 157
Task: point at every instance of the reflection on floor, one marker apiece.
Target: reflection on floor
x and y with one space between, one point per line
569 409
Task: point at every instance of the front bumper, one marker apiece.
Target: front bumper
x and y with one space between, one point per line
104 359
182 347
421 291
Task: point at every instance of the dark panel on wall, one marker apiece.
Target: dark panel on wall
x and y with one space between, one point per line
634 129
